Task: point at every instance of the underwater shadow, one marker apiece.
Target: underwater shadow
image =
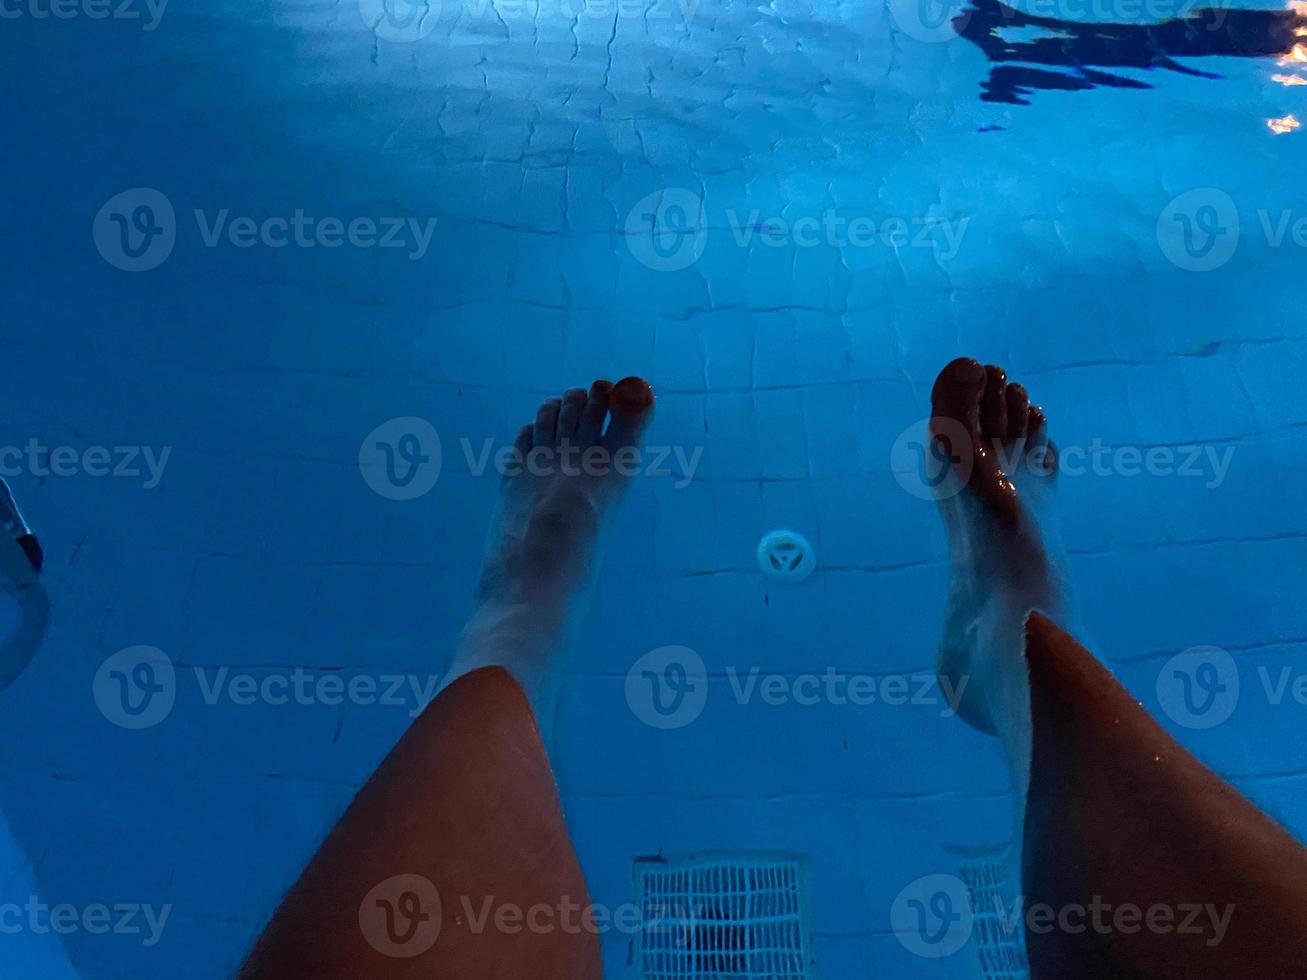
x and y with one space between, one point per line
1087 51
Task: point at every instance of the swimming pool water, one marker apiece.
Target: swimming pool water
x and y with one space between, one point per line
787 216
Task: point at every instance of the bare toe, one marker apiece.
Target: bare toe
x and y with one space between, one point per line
956 399
631 407
1041 455
546 426
956 395
993 405
955 413
524 441
591 425
1018 410
1036 428
570 414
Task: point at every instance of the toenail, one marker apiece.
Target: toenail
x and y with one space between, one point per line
632 396
969 365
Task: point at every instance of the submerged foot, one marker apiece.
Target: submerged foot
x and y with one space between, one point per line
995 487
567 469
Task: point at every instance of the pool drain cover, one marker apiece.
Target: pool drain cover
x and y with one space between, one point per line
1001 949
786 555
737 917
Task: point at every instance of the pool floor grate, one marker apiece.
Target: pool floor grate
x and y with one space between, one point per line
722 919
996 934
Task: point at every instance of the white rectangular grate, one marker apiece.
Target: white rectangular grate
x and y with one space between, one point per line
998 934
722 918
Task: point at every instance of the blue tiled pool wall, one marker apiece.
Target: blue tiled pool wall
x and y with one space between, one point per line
793 368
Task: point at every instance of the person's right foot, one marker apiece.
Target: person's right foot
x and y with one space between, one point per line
995 473
570 467
568 472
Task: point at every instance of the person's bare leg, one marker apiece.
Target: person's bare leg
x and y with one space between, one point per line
1113 812
1120 814
543 539
461 824
994 477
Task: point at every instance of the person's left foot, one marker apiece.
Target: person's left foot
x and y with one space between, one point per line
996 501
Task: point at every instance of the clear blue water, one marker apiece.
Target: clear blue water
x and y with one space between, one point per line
788 348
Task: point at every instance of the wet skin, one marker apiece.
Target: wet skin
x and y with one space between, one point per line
1116 812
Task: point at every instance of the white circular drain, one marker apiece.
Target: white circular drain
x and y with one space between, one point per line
786 555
